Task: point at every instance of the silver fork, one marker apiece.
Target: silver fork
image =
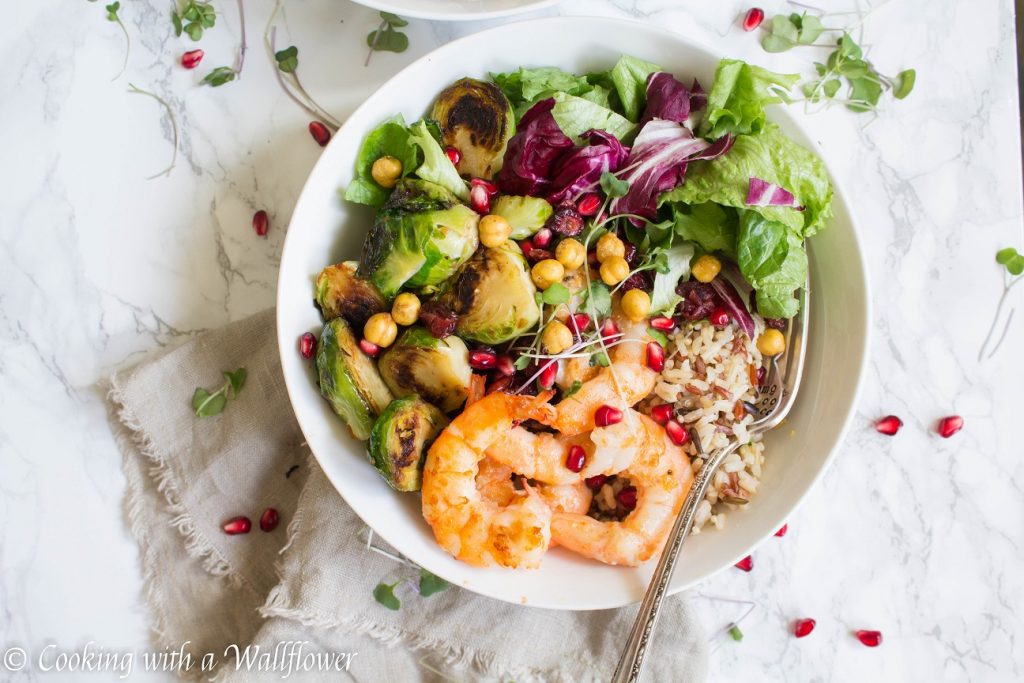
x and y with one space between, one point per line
774 402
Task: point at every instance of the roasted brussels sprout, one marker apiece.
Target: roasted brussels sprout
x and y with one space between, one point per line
526 215
341 293
477 119
436 369
400 439
420 237
493 296
349 380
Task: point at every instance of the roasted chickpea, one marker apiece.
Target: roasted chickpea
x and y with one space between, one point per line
386 171
494 230
610 246
614 270
635 304
706 268
380 329
556 337
406 308
771 343
570 253
547 272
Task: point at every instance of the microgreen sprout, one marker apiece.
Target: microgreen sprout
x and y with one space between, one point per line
385 37
174 128
1013 263
113 16
207 404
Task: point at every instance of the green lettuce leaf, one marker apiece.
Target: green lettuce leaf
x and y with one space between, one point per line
525 87
775 293
436 166
390 138
762 247
663 295
770 156
575 115
710 226
629 76
738 97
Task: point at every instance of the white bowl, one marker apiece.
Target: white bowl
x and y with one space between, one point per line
325 230
456 10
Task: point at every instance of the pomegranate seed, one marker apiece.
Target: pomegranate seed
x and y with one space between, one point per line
260 222
588 205
269 520
803 627
753 18
500 384
662 414
609 329
577 456
526 245
320 133
490 188
761 374
369 348
627 497
630 253
542 238
482 360
746 564
479 199
655 356
719 317
677 433
869 638
453 155
307 345
191 59
948 426
606 416
782 531
237 525
580 322
504 365
595 482
662 323
547 375
890 424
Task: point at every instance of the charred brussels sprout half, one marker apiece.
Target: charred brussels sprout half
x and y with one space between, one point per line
419 238
477 119
494 296
435 369
340 293
400 439
349 379
526 215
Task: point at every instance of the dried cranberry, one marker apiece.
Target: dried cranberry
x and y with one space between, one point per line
637 280
775 323
438 319
630 253
699 299
537 254
566 220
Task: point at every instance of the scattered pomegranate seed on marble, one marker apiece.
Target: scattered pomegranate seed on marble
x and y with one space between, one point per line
320 133
782 531
869 638
307 345
948 426
803 627
269 520
753 18
237 525
191 59
260 222
746 564
889 425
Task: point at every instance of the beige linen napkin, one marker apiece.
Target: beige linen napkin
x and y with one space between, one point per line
311 580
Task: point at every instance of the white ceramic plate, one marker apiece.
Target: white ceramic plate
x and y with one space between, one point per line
325 230
456 10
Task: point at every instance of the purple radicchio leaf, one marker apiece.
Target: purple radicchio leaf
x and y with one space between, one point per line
667 99
657 163
698 97
732 300
763 193
533 152
580 171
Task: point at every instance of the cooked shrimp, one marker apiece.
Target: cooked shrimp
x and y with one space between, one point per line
662 476
538 455
470 526
623 384
571 498
615 447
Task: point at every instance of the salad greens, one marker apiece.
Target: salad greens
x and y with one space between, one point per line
738 97
437 167
391 138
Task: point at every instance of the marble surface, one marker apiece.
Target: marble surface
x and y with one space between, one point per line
919 537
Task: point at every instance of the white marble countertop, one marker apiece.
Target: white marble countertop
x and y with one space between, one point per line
916 536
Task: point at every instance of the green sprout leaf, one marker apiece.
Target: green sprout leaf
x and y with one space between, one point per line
612 186
1013 261
556 294
112 11
393 19
207 404
573 389
236 380
176 22
658 336
904 83
431 583
600 359
385 595
521 363
199 15
736 633
287 59
219 76
598 300
387 40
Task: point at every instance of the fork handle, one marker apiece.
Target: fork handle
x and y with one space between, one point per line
631 661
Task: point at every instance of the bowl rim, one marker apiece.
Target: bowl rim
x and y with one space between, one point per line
463 14
285 342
